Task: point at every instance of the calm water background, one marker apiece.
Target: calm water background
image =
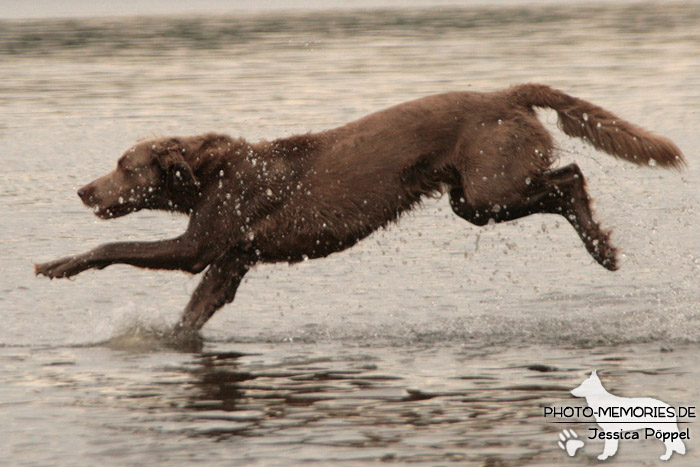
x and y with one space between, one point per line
434 341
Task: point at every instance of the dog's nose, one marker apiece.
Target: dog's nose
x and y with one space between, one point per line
84 193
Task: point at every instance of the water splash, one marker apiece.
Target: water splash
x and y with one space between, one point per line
143 338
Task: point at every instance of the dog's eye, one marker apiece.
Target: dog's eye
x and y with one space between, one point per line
122 165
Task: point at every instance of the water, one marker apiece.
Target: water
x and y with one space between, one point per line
434 341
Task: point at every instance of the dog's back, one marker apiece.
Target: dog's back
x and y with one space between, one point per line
363 175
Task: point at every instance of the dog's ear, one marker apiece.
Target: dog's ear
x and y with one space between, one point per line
177 172
181 178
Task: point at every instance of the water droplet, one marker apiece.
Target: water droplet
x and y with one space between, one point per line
585 117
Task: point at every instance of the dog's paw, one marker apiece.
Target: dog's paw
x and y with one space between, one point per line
64 267
603 251
608 258
569 442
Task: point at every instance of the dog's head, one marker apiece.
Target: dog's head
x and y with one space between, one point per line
153 174
590 387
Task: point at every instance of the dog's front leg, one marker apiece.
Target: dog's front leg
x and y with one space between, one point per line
217 288
609 449
178 253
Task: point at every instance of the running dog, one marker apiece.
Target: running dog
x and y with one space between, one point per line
311 195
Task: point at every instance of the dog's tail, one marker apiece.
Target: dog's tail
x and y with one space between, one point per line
601 128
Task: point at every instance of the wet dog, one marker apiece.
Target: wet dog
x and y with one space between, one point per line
311 195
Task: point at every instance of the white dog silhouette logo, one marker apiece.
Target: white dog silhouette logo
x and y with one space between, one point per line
616 415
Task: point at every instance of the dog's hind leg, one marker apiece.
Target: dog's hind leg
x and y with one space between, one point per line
561 191
672 446
217 288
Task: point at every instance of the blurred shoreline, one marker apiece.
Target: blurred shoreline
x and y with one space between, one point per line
47 9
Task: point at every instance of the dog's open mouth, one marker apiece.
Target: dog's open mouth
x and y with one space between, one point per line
112 212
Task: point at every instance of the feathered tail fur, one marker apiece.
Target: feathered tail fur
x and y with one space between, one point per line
602 129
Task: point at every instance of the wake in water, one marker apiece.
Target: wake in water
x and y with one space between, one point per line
140 337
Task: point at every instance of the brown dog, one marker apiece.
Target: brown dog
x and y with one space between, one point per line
311 195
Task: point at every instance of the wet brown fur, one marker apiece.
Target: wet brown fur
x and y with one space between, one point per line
311 195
